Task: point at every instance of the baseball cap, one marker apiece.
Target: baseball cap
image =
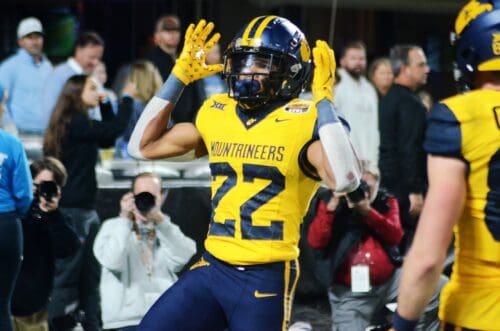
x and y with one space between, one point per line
168 22
29 25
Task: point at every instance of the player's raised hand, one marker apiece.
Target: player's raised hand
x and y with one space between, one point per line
191 66
324 71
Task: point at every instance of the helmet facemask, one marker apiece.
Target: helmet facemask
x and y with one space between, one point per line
253 78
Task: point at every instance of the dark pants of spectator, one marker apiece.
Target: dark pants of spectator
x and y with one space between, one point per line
408 221
11 252
356 311
76 287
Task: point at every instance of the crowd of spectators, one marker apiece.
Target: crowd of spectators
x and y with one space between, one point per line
71 110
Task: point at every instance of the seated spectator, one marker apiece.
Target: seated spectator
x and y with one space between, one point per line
361 241
24 75
147 80
381 75
47 236
140 251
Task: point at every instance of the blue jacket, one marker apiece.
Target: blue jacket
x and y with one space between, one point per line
24 80
15 178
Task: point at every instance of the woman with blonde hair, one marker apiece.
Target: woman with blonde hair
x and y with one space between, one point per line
75 139
147 79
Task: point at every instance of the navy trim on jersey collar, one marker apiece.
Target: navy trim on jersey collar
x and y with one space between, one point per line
250 118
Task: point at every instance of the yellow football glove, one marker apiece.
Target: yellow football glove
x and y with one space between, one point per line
324 72
191 66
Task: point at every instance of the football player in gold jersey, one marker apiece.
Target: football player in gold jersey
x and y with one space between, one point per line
268 152
463 142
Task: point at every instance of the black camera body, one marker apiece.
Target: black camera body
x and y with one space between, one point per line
46 189
144 202
357 195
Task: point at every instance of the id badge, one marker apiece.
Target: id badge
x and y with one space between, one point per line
360 278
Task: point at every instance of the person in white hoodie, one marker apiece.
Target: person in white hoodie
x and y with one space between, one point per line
140 251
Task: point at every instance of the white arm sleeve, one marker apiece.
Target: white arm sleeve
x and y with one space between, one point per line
338 148
169 93
153 108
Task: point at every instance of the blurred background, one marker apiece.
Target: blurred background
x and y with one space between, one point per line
127 25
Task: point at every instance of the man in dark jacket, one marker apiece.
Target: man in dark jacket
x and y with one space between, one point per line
47 236
167 37
402 118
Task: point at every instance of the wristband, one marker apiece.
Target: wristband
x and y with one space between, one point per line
171 89
402 324
326 112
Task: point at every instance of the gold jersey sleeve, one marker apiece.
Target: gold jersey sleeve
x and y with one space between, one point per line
468 127
259 192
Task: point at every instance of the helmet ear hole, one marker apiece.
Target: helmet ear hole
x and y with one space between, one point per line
471 57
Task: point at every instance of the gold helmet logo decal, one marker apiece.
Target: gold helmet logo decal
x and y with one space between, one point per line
472 10
495 43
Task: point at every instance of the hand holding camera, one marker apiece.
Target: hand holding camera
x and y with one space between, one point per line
140 208
45 199
359 201
48 195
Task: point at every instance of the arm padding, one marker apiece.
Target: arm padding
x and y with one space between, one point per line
337 146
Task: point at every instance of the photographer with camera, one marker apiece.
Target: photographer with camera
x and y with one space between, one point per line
360 241
140 251
47 236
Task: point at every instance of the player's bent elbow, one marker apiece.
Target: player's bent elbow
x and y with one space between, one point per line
347 185
135 151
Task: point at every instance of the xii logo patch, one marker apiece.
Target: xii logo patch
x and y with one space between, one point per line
218 105
495 44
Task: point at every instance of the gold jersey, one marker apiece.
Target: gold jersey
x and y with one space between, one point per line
468 127
260 189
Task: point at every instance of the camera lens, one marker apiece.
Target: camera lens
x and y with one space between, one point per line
47 190
144 201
